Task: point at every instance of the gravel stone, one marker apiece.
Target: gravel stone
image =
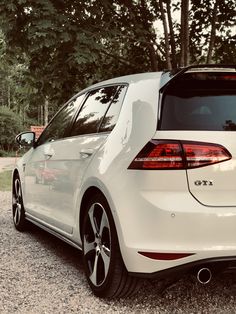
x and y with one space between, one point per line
41 274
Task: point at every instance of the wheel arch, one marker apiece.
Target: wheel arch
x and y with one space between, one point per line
117 282
15 173
86 196
90 187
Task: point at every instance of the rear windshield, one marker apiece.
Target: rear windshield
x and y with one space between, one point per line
200 101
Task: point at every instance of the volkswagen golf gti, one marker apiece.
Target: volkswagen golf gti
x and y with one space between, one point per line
138 172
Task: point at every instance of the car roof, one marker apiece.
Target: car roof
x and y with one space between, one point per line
127 79
162 76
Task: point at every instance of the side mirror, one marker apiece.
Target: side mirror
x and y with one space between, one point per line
26 139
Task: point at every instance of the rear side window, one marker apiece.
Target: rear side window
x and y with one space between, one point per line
204 102
92 113
113 111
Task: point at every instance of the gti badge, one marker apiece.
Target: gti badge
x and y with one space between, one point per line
203 182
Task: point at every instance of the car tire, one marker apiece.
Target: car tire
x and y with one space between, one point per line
104 267
18 211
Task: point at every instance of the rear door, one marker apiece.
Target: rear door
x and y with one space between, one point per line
71 156
200 108
41 171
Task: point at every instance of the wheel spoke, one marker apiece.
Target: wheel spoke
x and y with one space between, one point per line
106 261
97 244
104 223
19 191
106 250
16 189
14 200
88 246
16 215
92 220
93 276
17 205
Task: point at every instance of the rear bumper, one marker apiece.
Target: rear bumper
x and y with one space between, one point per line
169 222
216 265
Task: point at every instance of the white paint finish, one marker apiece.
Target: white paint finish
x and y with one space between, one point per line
153 210
222 192
53 177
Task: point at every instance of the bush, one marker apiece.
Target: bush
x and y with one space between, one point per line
10 126
5 180
3 153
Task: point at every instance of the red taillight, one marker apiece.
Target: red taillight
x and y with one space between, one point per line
159 155
229 77
172 154
201 154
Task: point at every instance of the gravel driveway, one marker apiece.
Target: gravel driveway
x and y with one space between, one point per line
40 274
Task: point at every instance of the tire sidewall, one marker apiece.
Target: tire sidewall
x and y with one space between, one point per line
22 222
115 259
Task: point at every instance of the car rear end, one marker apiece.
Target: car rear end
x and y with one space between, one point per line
180 207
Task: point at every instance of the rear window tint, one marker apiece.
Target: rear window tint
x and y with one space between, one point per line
112 113
200 104
93 110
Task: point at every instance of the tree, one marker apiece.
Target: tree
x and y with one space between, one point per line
213 33
184 33
167 46
171 34
10 125
70 43
54 48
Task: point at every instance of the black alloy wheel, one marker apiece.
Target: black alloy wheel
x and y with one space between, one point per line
18 211
104 267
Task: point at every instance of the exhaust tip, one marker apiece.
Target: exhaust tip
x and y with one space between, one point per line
204 276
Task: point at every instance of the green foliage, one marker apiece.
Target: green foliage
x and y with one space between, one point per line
72 43
201 19
50 49
10 126
3 153
5 181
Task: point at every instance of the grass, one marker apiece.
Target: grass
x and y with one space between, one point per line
19 153
5 181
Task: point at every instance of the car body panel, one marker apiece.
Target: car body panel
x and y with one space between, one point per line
154 210
64 162
222 192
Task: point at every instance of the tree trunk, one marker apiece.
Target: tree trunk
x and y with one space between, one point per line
184 34
41 115
153 57
149 44
213 33
46 112
165 28
172 35
9 96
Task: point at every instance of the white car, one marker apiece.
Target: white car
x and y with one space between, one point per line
139 172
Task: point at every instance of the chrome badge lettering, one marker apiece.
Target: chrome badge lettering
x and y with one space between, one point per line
203 182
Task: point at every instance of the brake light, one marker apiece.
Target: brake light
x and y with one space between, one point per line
171 154
201 154
229 77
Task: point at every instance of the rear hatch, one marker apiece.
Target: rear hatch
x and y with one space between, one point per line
198 120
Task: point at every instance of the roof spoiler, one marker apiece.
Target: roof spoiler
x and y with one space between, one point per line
174 74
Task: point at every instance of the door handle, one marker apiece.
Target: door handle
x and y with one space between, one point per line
48 155
85 153
48 152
